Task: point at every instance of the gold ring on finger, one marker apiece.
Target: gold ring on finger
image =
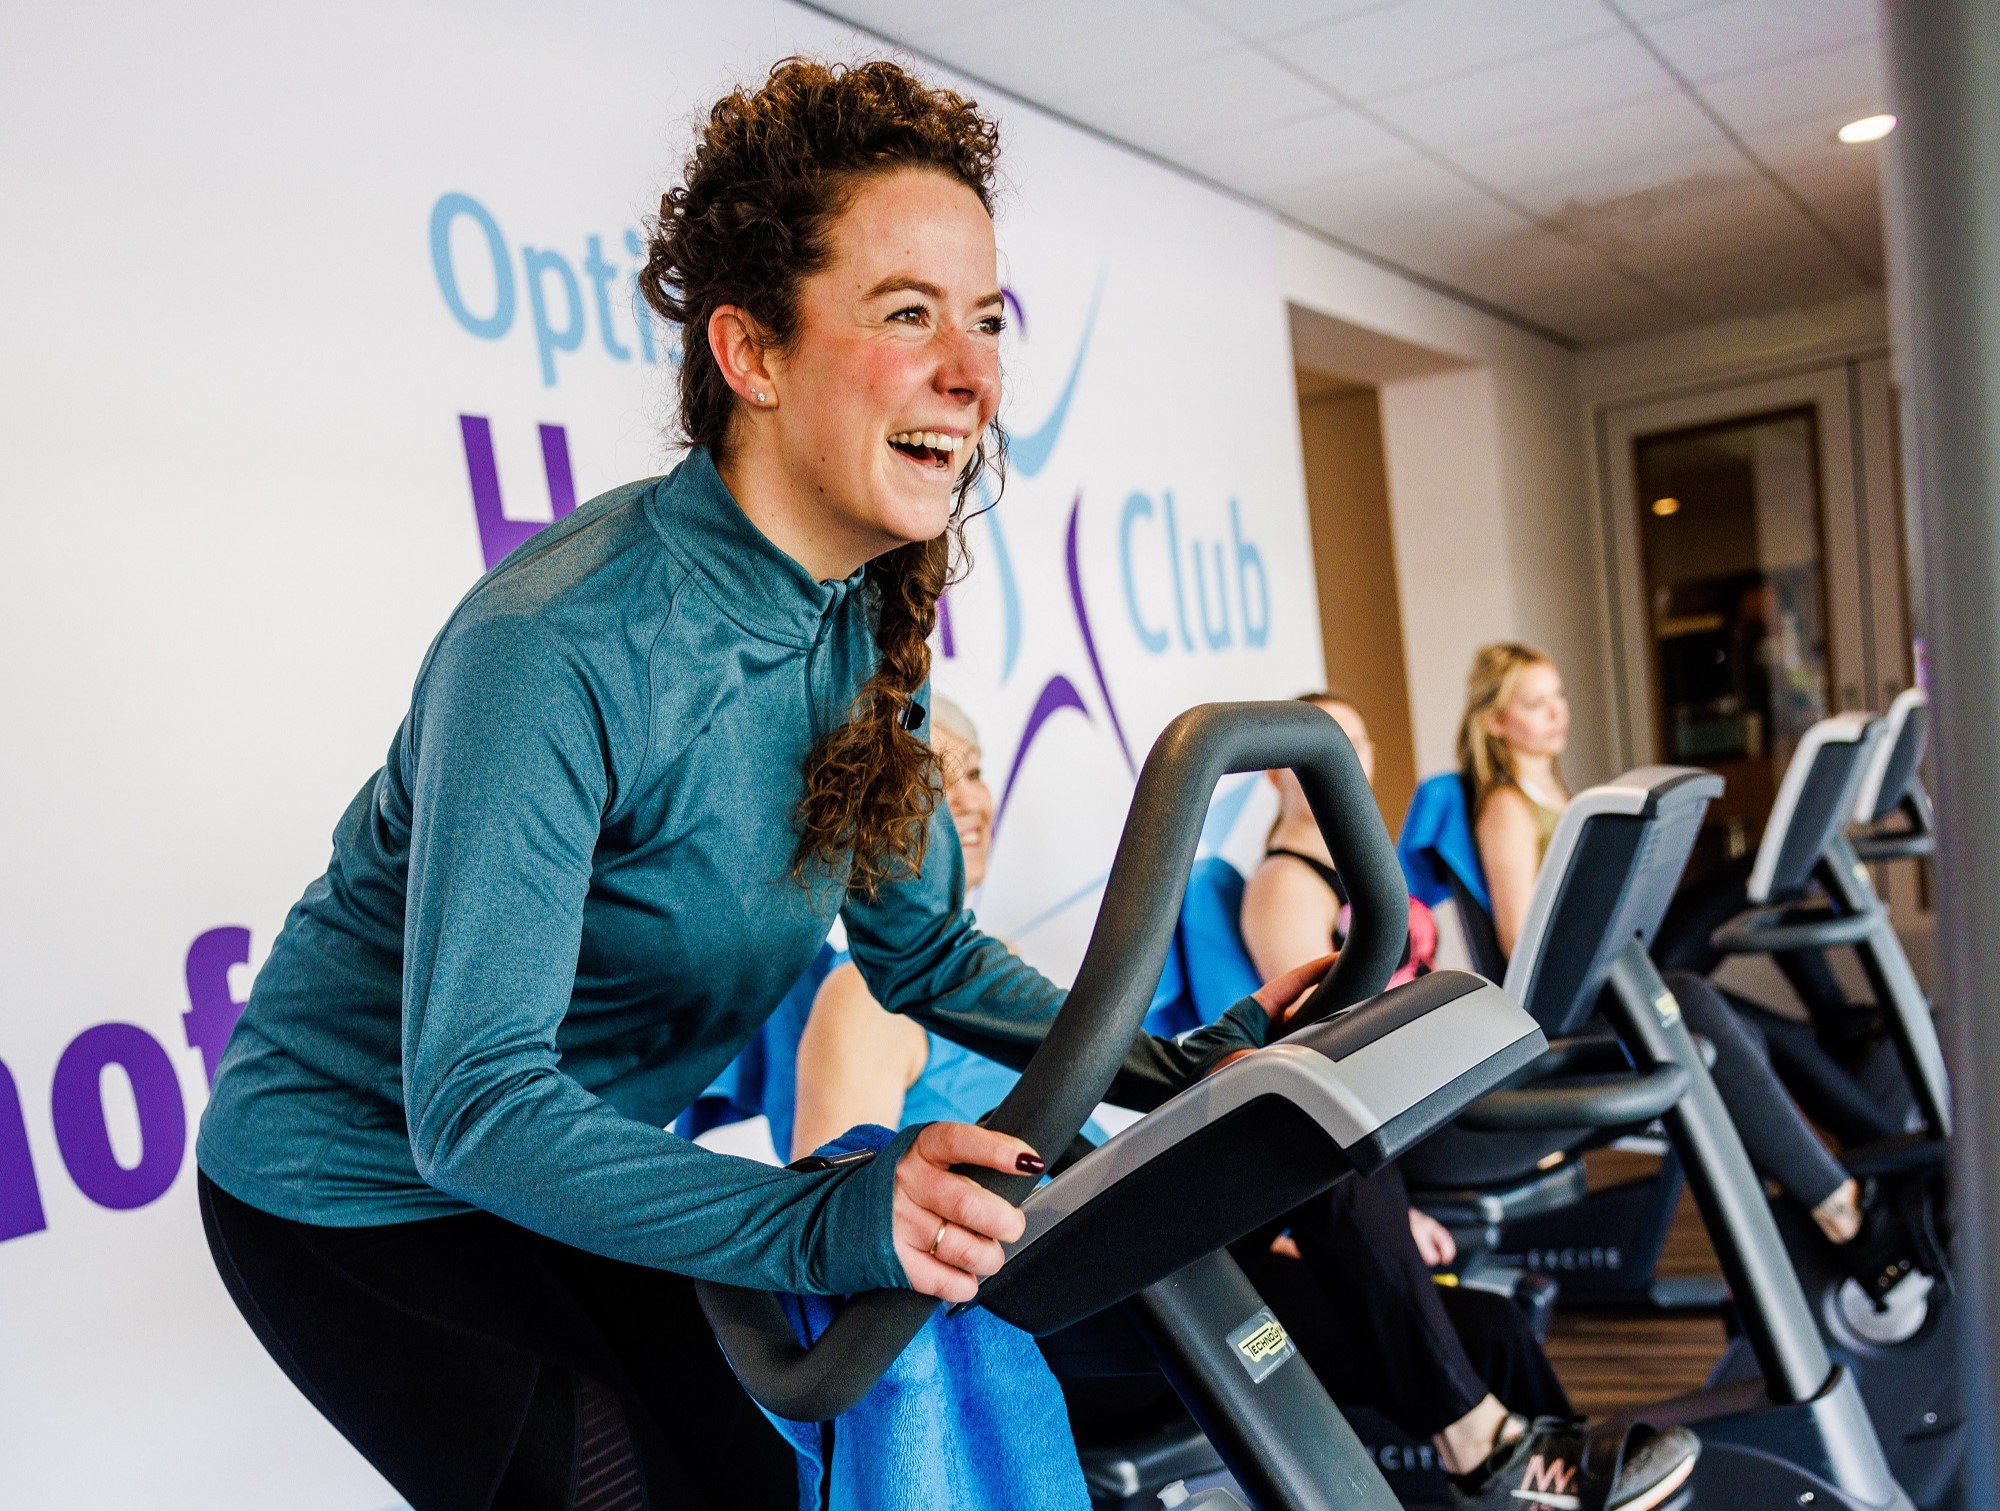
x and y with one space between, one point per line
940 1238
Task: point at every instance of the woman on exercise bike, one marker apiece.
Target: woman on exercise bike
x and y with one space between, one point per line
1457 1366
1510 740
434 1175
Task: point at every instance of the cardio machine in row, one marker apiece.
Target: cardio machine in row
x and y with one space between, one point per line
1133 1232
1793 1429
1850 795
1810 893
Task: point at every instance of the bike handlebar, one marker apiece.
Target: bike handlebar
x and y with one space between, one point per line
1087 1043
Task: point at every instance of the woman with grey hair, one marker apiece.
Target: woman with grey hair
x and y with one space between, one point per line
859 1063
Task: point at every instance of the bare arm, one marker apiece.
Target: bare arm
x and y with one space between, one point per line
856 1061
1288 916
1508 840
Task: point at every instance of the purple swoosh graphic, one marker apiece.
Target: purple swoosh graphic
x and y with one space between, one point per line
1058 693
1089 641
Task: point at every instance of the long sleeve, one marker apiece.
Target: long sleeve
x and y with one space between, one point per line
510 786
921 954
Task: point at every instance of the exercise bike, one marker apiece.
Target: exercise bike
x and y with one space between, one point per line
1128 1239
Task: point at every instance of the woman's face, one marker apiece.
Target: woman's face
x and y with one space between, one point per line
1349 719
1291 796
895 371
970 801
1535 721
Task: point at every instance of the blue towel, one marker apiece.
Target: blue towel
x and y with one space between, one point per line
968 1418
1207 970
1437 844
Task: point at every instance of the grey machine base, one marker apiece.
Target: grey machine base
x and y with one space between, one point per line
1757 1453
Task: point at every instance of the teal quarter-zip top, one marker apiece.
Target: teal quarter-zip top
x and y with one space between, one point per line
566 901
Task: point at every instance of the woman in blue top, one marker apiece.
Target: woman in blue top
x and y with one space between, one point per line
859 1064
647 760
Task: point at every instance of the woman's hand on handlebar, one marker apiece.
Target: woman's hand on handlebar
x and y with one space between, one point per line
948 1230
1282 996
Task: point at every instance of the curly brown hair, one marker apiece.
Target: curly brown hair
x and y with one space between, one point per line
752 219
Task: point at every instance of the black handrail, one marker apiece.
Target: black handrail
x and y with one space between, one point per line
1087 1043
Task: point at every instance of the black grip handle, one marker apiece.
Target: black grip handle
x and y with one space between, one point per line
1087 1043
1594 1101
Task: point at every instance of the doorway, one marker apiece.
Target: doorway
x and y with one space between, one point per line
1354 561
1757 576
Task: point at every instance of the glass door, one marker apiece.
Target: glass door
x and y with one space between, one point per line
1730 540
1750 592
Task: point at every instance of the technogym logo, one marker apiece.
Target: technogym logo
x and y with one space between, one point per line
1261 1344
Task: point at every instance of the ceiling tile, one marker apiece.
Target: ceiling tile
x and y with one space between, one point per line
1659 10
1300 154
1808 151
1560 84
1723 40
1261 20
1529 263
1194 102
1380 52
1834 87
1411 188
1049 50
1598 313
1746 222
1779 275
1857 220
1614 150
911 21
1643 188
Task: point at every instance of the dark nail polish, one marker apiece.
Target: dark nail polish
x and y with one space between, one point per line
1030 1164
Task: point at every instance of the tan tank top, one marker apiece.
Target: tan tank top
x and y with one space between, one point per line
1546 820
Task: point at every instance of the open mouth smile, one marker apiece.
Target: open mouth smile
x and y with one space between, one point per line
928 448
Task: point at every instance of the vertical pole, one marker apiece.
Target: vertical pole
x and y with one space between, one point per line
1277 1429
1944 226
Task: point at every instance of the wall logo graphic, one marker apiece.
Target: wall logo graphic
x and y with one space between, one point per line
498 533
76 1098
474 264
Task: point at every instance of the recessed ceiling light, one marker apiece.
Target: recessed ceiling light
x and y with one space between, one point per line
1665 506
1870 128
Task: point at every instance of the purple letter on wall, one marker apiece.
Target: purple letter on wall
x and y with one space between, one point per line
212 1011
498 534
20 1197
77 1104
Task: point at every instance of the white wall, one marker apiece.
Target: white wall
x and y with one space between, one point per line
1756 346
1493 514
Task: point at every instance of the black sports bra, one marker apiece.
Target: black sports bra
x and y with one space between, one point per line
1331 877
1326 873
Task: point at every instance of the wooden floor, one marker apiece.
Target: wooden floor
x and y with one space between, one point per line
1609 1361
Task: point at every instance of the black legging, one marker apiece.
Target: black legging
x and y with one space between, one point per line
1379 1331
1780 1142
481 1367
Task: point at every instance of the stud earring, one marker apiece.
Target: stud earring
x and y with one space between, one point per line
758 395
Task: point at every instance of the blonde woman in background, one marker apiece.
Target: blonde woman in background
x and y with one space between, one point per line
1513 732
1510 737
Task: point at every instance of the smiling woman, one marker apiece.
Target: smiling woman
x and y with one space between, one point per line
850 410
647 760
